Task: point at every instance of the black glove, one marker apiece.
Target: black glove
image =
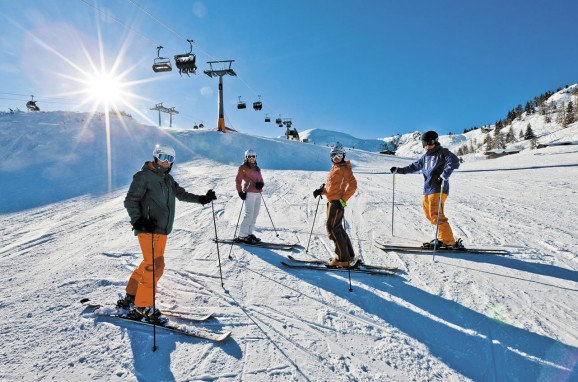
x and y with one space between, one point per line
259 185
319 191
243 195
393 170
208 197
145 225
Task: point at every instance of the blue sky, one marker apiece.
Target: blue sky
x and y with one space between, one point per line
368 68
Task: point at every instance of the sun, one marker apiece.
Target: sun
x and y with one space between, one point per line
105 89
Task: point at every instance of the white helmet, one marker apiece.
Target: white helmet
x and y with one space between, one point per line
164 153
337 149
250 152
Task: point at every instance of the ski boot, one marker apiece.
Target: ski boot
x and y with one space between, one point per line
127 302
149 314
254 238
431 244
457 246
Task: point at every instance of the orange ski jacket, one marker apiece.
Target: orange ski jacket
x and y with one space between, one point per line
341 184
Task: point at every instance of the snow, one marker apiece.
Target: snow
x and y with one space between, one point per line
66 236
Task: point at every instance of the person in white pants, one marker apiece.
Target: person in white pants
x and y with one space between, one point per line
249 183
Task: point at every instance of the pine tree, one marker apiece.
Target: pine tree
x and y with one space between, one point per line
570 115
510 136
529 132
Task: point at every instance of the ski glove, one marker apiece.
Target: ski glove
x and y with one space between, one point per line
243 195
259 185
208 197
144 225
319 191
393 170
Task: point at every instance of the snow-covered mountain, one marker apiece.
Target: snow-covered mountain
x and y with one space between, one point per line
65 235
409 144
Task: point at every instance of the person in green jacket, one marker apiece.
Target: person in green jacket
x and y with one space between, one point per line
150 203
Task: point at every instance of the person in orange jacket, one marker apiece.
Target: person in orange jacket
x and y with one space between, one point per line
340 186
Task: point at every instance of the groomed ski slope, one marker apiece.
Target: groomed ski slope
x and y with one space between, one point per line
464 317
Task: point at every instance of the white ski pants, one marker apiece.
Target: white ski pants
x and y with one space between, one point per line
252 206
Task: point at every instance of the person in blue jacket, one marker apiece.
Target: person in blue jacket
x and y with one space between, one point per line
436 165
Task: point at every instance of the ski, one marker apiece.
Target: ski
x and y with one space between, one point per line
263 244
357 265
329 268
166 324
169 313
483 251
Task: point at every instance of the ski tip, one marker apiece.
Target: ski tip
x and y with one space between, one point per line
223 337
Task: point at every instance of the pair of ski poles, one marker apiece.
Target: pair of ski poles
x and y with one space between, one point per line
438 217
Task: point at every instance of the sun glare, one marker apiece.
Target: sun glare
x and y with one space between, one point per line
105 89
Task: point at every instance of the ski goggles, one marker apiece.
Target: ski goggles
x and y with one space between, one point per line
337 156
251 156
429 143
166 157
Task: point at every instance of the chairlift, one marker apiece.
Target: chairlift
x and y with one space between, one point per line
196 126
241 104
161 64
279 122
186 62
267 119
258 105
201 125
31 105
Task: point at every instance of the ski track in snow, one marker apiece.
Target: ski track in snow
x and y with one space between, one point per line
464 317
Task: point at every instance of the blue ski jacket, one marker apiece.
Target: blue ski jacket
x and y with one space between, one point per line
435 164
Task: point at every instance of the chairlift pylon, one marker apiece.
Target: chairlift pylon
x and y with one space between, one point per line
186 62
258 105
161 64
241 104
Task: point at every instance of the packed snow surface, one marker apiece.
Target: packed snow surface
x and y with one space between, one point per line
65 235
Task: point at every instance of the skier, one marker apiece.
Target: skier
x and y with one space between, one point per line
150 203
340 186
436 164
249 183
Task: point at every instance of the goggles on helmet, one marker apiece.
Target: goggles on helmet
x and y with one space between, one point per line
336 155
166 157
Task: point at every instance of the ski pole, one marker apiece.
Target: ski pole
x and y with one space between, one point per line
217 242
154 286
235 234
393 203
313 225
348 268
265 204
438 220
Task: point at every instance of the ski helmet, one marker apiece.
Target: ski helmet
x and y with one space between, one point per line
164 153
337 150
249 153
429 138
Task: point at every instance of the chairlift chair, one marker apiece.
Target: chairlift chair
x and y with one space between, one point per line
31 105
161 64
267 119
279 121
186 62
241 104
258 105
201 125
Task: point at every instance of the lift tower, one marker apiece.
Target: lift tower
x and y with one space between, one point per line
226 70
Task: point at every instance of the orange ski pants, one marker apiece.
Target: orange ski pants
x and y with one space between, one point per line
141 283
430 204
